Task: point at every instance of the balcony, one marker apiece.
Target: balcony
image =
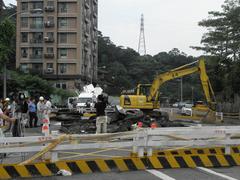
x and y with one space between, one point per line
49 71
24 55
48 39
49 55
36 71
36 57
95 2
36 41
49 9
48 24
36 11
36 26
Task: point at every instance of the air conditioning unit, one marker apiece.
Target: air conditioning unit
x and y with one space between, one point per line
49 70
46 38
48 23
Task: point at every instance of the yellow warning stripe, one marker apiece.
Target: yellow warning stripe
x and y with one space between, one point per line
22 171
102 165
215 150
138 163
3 173
120 164
82 165
42 168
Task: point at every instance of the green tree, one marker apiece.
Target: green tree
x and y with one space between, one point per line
223 36
7 33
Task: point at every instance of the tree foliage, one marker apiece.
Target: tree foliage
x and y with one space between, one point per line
222 43
7 34
124 68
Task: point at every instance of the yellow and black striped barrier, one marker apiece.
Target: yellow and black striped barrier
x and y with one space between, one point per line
160 161
196 151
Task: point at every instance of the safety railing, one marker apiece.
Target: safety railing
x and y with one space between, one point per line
140 140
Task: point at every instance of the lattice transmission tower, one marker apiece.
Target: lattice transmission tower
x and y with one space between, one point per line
142 44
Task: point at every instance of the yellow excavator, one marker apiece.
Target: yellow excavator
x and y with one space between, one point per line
146 96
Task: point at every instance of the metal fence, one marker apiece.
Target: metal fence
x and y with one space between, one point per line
140 141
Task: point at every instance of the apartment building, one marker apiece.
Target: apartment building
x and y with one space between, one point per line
57 39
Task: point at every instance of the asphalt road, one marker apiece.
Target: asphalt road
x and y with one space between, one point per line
167 174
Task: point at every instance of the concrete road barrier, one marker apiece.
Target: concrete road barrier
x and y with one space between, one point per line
163 161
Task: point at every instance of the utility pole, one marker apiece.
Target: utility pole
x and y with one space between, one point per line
4 80
142 44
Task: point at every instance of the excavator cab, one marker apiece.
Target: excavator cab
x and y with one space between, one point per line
139 99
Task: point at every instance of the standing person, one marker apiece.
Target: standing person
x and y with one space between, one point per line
6 106
102 120
48 106
24 110
13 108
32 113
40 109
6 109
6 118
100 106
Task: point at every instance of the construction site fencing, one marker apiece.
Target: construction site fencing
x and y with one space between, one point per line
142 141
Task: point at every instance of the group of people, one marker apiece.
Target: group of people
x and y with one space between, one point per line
31 112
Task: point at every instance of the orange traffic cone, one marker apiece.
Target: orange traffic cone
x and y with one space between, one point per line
45 129
45 121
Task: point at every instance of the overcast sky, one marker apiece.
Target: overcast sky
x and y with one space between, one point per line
168 23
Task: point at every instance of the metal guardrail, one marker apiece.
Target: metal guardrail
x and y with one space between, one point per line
141 140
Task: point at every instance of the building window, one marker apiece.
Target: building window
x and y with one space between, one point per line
24 6
61 85
63 53
64 86
24 22
24 37
24 53
49 68
37 22
50 19
62 22
37 5
24 68
49 50
50 35
49 65
63 68
37 37
63 37
62 7
37 68
37 53
50 3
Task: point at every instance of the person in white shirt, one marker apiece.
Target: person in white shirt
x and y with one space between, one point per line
41 108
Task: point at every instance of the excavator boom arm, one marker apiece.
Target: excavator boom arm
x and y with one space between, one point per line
180 72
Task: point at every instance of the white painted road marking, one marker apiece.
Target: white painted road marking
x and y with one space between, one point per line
209 171
160 175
